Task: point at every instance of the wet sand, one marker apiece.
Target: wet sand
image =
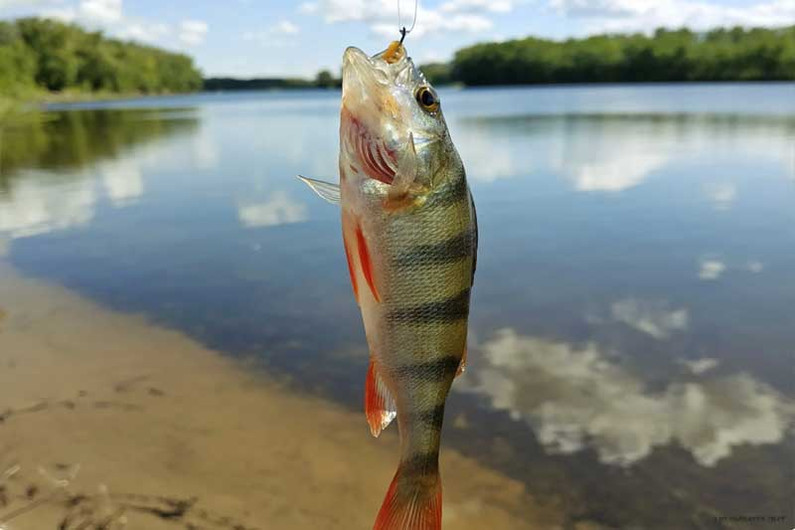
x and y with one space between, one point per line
105 417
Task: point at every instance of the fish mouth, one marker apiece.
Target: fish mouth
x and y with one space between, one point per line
367 110
361 74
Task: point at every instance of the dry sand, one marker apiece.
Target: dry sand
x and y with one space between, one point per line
160 432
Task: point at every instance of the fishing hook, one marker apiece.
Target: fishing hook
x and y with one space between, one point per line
401 28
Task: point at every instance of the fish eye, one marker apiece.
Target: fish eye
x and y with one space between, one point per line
427 99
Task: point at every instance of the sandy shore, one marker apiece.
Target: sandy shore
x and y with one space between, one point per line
107 418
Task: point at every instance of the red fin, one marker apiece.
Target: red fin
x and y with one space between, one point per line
411 505
351 270
366 262
462 366
379 406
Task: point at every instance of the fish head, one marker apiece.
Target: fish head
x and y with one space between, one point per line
392 128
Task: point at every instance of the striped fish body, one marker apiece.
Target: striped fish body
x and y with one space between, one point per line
410 238
412 271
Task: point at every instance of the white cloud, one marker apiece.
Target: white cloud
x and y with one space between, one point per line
192 32
435 21
711 269
646 15
102 11
602 8
278 210
143 32
495 6
653 318
285 27
109 16
6 4
308 8
576 398
382 15
64 14
755 266
279 35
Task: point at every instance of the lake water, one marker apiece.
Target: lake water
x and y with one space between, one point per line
632 347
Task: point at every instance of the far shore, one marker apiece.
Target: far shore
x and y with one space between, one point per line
67 98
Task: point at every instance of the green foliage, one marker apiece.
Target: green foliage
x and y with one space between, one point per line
326 79
437 73
734 54
53 56
229 83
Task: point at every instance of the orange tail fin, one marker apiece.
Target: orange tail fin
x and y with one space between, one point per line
412 504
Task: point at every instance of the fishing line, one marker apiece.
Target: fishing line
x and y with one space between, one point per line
401 28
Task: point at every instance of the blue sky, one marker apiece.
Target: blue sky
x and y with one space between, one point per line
280 37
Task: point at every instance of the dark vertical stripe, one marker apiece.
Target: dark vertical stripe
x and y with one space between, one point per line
456 192
452 309
431 418
434 371
420 464
448 251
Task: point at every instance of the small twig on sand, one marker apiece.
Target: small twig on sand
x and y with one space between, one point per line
13 514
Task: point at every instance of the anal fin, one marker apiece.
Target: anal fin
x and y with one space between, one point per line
462 366
379 405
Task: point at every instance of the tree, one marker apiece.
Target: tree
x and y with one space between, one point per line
325 79
57 56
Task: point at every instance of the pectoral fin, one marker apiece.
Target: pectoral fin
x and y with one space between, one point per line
379 405
326 190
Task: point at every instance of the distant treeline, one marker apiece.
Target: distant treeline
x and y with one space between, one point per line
324 79
43 54
232 83
735 54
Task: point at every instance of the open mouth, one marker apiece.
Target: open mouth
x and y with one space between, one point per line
365 99
374 158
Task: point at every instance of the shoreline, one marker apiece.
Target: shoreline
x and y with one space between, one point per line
47 99
143 425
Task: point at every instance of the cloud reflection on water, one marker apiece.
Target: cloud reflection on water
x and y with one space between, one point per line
653 318
611 153
35 206
711 269
123 181
722 195
279 209
38 204
576 397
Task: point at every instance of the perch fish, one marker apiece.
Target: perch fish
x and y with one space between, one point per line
410 236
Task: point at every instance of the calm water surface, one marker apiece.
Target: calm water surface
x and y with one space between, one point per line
632 350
